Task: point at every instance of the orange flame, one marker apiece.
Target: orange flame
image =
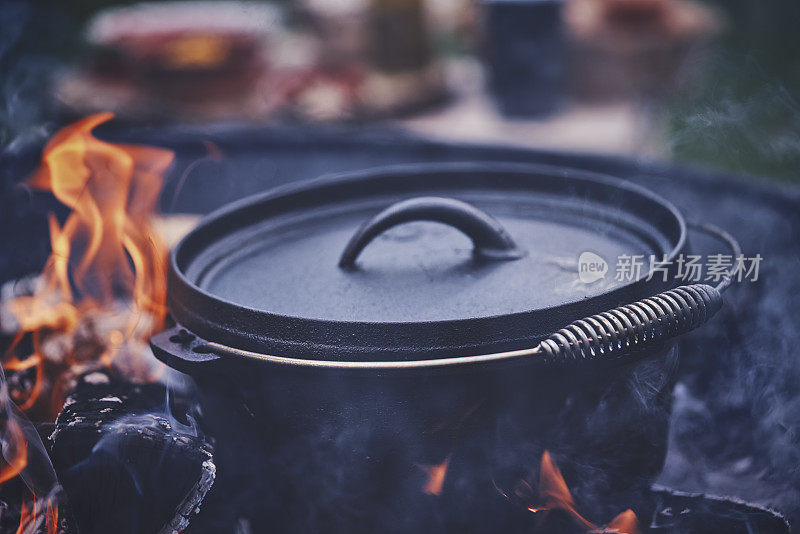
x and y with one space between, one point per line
105 258
52 515
32 517
25 519
554 494
625 522
106 275
23 456
436 474
112 190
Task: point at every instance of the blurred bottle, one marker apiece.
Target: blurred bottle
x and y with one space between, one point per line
526 55
399 35
404 73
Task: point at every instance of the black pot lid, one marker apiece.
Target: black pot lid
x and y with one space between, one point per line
451 259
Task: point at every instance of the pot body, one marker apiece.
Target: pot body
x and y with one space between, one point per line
334 450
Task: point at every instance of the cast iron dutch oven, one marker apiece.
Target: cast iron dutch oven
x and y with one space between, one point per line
431 306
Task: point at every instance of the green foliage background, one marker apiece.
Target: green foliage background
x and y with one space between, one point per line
745 113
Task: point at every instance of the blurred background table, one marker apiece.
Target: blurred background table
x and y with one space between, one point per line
625 127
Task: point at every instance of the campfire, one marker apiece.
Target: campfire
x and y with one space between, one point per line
84 321
92 309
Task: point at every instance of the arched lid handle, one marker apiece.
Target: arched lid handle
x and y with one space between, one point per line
490 240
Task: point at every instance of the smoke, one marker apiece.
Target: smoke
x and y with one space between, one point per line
24 456
21 79
735 428
748 121
35 38
736 415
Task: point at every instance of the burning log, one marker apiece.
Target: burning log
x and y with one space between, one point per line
79 332
126 462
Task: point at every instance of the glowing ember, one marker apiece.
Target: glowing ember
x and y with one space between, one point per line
102 291
554 494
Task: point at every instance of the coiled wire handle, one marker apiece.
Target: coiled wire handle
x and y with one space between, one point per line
633 326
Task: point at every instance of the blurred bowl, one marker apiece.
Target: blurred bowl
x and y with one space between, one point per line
191 50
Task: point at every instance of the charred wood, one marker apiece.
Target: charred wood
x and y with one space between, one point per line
129 460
